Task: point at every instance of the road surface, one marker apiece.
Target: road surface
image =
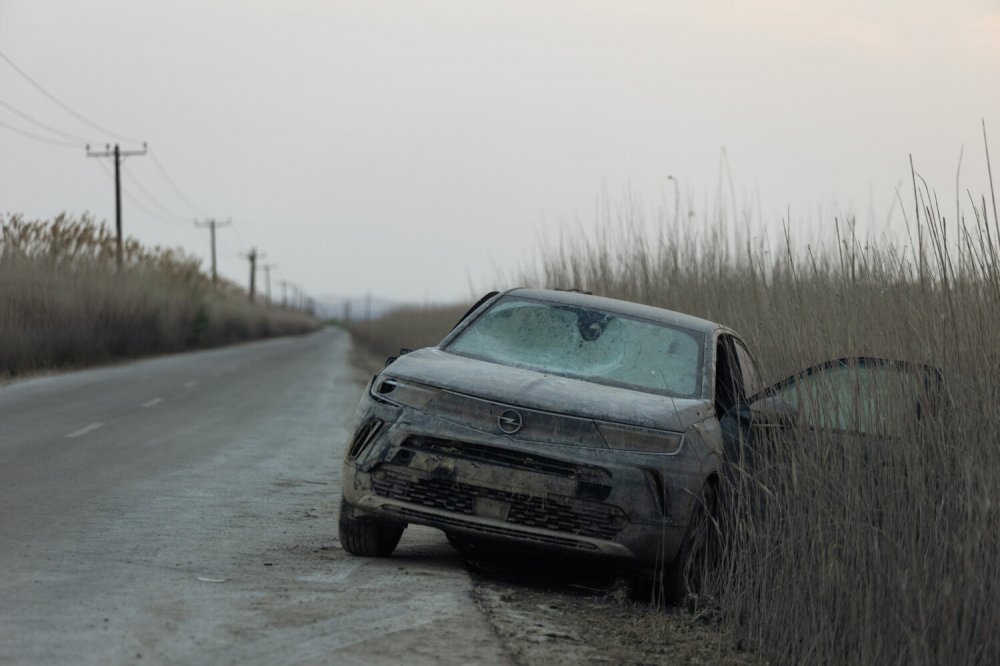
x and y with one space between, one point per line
182 510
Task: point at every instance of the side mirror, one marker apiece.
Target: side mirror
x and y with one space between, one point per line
392 359
741 412
773 411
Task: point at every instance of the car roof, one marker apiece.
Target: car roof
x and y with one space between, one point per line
620 307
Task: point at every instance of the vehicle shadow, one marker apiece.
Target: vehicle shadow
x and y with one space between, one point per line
541 571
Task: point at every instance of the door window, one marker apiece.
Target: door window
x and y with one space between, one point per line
748 371
868 396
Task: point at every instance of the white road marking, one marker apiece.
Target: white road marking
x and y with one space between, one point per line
211 580
155 401
85 429
191 384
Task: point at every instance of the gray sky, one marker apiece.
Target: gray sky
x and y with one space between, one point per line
408 148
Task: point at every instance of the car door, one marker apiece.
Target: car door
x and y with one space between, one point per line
855 405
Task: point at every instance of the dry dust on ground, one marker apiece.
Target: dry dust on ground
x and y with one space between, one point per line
549 611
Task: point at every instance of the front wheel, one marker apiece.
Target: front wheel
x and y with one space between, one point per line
699 552
366 537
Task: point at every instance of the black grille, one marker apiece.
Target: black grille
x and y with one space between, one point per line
499 456
496 531
589 519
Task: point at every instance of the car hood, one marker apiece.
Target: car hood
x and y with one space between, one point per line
551 393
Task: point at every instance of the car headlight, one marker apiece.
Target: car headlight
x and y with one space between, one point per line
396 391
634 438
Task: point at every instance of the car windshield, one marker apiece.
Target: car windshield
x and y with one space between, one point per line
587 344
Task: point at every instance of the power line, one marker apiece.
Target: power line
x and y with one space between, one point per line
39 123
240 238
156 202
173 185
149 211
39 137
64 106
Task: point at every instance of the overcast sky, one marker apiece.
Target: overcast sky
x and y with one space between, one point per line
410 148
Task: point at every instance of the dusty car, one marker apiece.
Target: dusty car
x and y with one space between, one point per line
551 419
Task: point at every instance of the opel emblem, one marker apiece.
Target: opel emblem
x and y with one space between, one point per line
510 421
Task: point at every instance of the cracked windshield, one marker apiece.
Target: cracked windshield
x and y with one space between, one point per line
586 344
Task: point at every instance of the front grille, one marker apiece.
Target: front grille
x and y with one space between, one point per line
498 456
589 519
495 531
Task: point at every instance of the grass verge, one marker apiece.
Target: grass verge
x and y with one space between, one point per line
889 555
63 303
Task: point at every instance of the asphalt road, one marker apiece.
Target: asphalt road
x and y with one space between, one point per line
183 510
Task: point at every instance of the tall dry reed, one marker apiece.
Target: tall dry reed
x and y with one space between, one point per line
888 555
865 554
64 303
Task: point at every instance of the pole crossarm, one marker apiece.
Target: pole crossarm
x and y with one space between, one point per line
117 153
212 224
110 152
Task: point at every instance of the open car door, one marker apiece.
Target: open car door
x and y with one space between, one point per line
864 402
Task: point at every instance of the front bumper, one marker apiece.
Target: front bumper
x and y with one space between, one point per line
591 501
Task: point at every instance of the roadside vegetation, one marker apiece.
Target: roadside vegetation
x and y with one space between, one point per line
862 556
63 303
410 327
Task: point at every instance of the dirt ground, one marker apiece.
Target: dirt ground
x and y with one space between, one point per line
550 612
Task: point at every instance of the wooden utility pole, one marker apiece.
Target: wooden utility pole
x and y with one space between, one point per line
284 293
267 280
118 154
211 225
253 256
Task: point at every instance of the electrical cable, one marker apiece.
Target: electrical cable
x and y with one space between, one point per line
149 195
172 184
38 137
155 215
239 237
39 123
65 107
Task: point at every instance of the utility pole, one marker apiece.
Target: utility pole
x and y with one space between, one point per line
212 225
118 155
253 256
284 293
267 280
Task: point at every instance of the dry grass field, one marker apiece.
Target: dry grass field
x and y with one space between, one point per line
889 556
64 304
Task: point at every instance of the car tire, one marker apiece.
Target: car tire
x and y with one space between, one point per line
366 537
699 551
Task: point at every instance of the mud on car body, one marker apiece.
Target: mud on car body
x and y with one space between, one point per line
554 420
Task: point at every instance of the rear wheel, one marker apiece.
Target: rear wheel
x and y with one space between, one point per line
699 551
366 537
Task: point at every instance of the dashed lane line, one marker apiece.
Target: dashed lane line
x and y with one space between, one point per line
84 430
155 401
